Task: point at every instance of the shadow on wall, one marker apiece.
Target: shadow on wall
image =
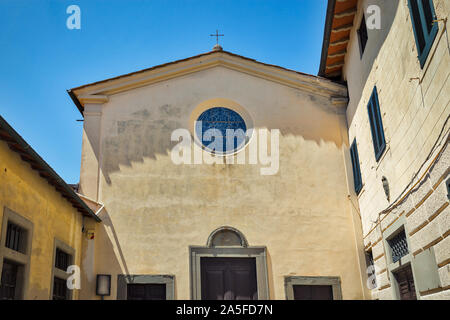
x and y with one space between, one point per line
106 248
147 132
362 67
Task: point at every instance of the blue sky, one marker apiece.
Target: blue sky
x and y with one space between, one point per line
40 58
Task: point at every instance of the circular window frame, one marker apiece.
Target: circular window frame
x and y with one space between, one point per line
221 103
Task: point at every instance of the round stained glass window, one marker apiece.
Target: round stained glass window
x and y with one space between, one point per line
221 130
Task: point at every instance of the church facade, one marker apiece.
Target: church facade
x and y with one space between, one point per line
222 177
337 190
218 228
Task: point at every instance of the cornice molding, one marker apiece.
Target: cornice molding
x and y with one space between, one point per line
99 92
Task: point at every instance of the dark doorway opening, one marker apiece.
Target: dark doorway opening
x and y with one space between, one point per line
228 278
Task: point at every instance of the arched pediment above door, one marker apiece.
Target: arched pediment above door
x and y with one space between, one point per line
226 237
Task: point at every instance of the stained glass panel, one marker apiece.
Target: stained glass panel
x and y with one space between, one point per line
221 130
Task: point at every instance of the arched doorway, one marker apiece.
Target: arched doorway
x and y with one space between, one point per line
227 268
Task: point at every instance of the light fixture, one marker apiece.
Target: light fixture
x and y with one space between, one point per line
386 187
103 285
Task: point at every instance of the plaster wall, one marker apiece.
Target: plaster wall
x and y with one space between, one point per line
154 209
27 194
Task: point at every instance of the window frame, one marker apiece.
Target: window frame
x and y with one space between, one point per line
447 183
362 46
59 273
291 281
376 124
429 37
123 280
371 262
225 152
354 156
22 259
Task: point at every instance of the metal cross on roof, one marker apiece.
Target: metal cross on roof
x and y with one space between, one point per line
217 35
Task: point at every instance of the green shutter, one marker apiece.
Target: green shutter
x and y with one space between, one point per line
376 125
425 30
355 166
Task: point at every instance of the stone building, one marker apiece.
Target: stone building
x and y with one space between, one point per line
397 75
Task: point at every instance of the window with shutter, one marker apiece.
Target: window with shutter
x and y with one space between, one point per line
376 125
425 30
355 165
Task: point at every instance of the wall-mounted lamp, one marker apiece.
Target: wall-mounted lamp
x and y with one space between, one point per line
103 285
386 187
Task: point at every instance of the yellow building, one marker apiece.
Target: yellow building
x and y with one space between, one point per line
42 221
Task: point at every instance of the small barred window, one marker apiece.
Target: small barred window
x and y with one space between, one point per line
399 246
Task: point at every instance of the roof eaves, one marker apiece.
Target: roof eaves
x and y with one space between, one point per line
326 37
51 176
80 107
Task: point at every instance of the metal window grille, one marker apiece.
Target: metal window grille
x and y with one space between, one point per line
59 289
8 281
399 246
14 237
62 260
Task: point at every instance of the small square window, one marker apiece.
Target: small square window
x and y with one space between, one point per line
63 256
60 291
399 246
62 259
15 251
15 237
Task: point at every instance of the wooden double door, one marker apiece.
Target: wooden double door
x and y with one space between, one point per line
228 278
